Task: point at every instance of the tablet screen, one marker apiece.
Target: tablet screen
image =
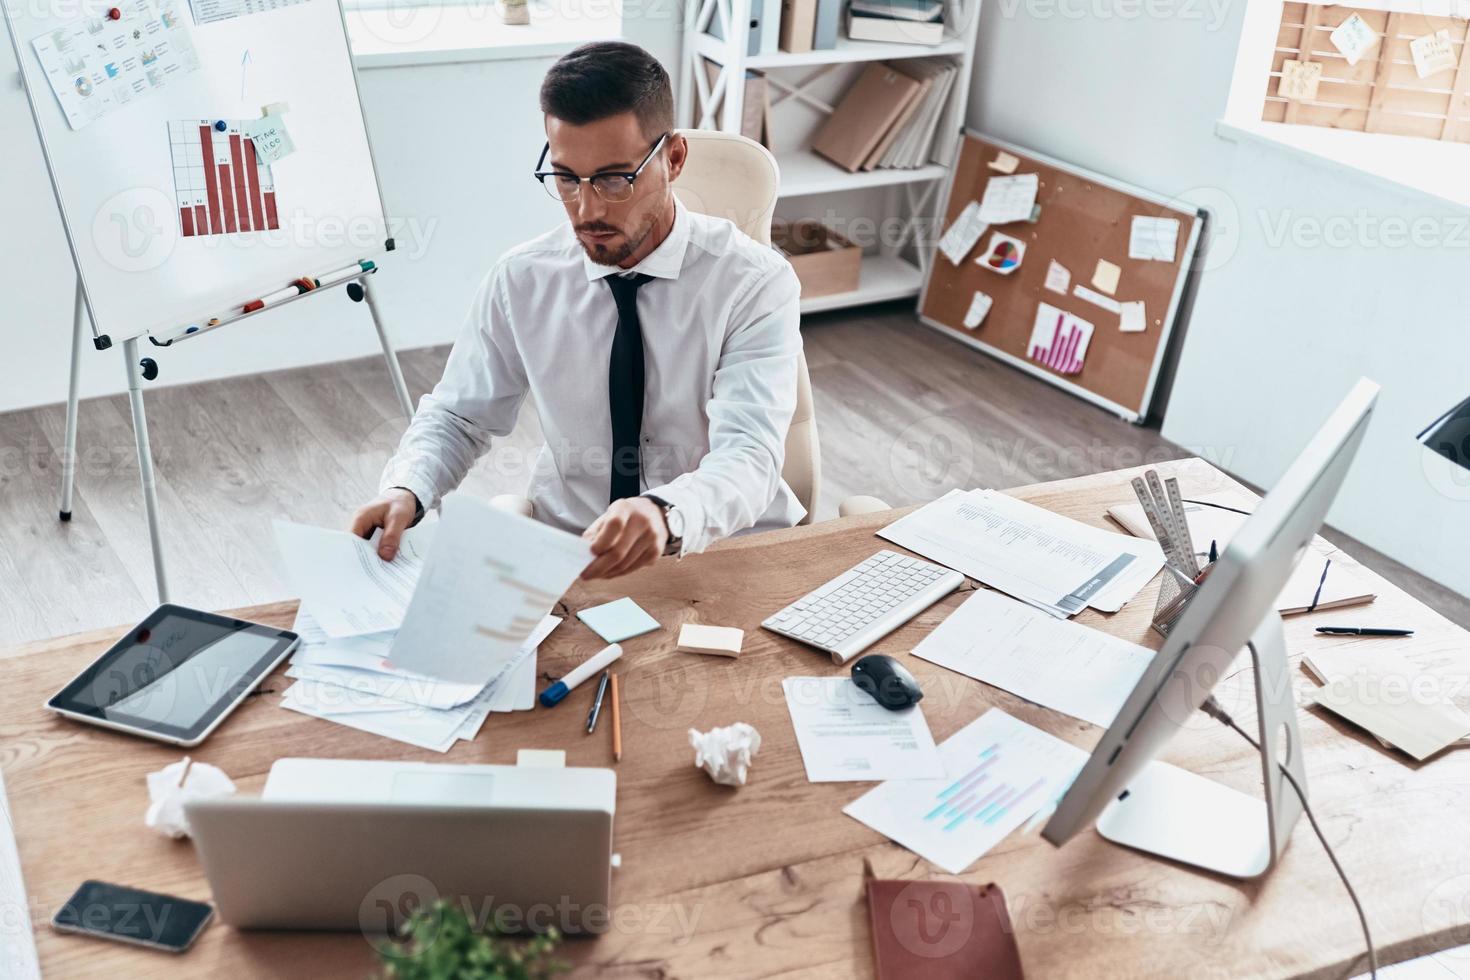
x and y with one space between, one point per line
175 672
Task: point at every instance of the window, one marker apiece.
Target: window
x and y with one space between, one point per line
1398 110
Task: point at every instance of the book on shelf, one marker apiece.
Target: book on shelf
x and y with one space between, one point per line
890 30
875 102
889 117
829 21
913 144
798 25
755 106
916 10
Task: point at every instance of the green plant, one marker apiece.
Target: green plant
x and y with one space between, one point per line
440 943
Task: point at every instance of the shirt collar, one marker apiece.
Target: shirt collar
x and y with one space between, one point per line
664 262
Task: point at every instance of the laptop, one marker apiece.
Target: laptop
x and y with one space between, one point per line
358 845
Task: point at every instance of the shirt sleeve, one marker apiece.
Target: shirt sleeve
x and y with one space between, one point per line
479 397
750 410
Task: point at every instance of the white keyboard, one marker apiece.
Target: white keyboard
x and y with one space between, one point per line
859 607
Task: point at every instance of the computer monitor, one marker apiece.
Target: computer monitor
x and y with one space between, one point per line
1152 806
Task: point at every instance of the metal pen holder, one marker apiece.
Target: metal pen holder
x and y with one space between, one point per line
1175 594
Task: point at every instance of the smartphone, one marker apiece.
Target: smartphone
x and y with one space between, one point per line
131 915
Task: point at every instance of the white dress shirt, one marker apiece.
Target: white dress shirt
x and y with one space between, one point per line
721 338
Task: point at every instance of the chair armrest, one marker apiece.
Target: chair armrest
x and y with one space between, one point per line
861 504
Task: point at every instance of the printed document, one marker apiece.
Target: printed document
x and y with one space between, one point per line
339 576
1071 668
1050 561
846 736
490 579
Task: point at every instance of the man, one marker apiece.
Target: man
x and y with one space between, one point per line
660 346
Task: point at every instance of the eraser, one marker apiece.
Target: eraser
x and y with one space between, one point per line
721 641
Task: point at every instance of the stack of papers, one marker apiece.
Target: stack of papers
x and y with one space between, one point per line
350 681
1049 561
421 649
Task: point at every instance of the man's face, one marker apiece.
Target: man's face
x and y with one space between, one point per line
611 233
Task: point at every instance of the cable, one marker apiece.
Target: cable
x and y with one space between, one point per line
1212 708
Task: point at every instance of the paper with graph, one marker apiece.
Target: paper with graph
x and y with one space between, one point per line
1059 339
1001 771
488 583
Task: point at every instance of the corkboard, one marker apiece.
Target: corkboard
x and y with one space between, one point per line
1084 217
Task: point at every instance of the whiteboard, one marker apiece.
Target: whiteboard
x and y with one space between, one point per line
143 268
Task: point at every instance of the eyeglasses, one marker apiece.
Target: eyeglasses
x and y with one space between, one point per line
613 186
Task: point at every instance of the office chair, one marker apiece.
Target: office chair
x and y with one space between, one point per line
736 178
732 177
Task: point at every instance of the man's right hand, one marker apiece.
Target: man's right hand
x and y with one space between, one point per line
394 512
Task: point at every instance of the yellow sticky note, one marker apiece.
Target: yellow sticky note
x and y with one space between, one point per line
1005 162
1106 276
1299 79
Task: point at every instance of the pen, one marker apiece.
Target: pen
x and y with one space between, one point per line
597 702
1214 553
1362 631
602 659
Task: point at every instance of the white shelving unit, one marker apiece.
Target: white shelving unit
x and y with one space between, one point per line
803 89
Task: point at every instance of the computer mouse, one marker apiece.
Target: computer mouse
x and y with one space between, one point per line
887 681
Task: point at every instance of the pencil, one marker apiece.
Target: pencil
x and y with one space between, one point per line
617 721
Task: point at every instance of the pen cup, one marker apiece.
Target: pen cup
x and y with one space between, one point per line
1174 597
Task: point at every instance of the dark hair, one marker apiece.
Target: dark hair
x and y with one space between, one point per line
606 78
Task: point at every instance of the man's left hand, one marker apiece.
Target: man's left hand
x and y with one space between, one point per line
629 535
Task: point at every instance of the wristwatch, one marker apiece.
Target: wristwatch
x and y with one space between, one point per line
675 522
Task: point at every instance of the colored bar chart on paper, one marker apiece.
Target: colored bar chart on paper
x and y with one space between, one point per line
1059 339
1001 771
221 187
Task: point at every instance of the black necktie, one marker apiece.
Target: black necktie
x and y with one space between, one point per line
625 386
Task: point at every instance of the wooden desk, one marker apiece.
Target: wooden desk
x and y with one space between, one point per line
767 879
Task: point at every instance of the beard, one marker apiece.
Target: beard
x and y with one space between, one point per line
619 253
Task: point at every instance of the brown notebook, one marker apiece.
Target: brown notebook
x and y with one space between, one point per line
864 115
941 930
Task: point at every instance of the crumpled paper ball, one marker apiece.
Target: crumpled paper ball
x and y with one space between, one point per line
725 753
201 781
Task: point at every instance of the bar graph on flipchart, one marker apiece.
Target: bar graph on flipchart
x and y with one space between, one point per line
221 187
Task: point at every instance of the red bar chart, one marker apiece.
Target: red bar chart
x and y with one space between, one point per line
1059 339
222 188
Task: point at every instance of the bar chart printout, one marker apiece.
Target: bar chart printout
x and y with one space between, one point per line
222 188
1058 339
1000 772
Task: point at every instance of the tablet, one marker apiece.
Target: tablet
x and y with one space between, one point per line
176 675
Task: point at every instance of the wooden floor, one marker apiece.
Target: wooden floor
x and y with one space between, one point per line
903 414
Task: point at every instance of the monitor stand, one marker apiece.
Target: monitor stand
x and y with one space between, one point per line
1188 818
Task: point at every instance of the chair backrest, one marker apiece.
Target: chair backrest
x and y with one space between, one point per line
732 177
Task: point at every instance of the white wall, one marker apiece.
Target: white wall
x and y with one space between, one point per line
1315 276
455 145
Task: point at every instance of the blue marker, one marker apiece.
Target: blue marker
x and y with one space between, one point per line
553 695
